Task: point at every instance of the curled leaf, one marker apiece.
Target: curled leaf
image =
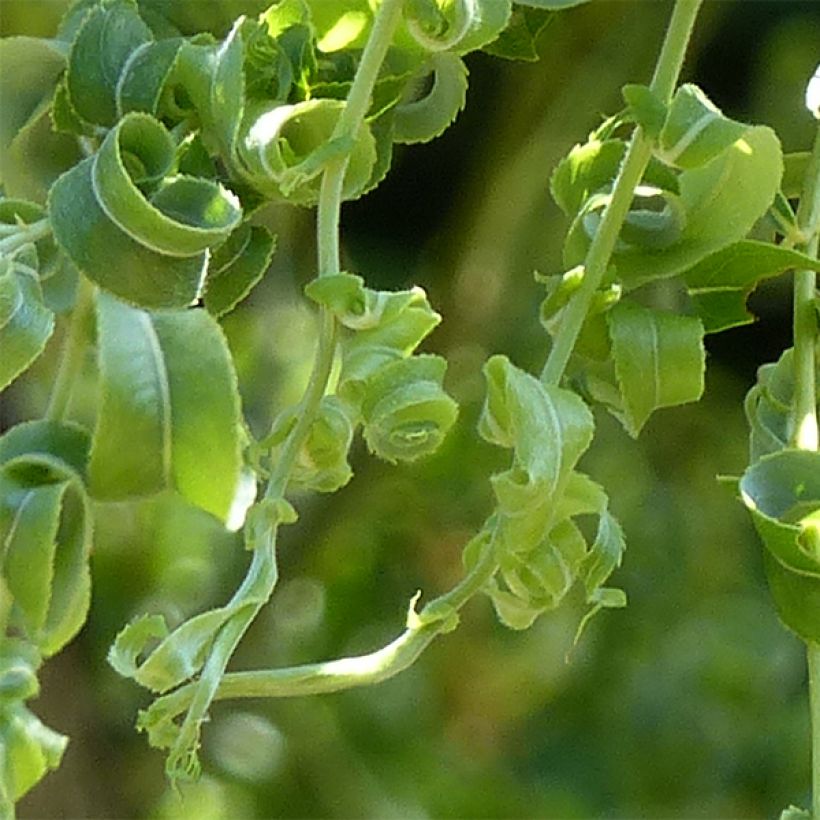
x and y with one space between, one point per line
285 148
405 411
45 530
98 212
423 119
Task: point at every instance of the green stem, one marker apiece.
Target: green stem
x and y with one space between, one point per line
262 574
637 157
71 361
813 653
804 435
359 670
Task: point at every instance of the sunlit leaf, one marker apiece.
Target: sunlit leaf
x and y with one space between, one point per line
169 408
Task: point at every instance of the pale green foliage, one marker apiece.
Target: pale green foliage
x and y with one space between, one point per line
168 136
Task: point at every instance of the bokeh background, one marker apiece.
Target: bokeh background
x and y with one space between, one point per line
689 703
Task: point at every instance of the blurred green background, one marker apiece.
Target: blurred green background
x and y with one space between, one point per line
689 703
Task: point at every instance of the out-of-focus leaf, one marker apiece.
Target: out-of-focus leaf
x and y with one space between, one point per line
519 40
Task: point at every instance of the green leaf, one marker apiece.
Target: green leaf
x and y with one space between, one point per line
460 27
177 657
721 201
28 751
169 410
659 360
31 69
98 213
26 324
551 4
423 119
405 411
695 131
795 167
519 40
236 267
212 76
720 284
605 556
45 530
36 157
145 75
782 492
285 149
103 45
646 107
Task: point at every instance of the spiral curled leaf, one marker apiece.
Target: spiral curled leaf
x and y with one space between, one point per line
782 492
424 118
45 530
100 211
26 324
285 148
541 551
460 26
406 412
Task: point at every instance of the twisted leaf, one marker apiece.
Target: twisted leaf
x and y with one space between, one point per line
45 530
99 213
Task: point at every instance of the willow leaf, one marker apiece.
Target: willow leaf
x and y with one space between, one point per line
236 267
212 76
45 530
421 120
26 324
659 360
169 408
105 41
782 492
720 283
99 213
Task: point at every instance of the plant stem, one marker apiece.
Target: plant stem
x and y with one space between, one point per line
813 654
262 574
804 433
360 670
634 164
71 361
